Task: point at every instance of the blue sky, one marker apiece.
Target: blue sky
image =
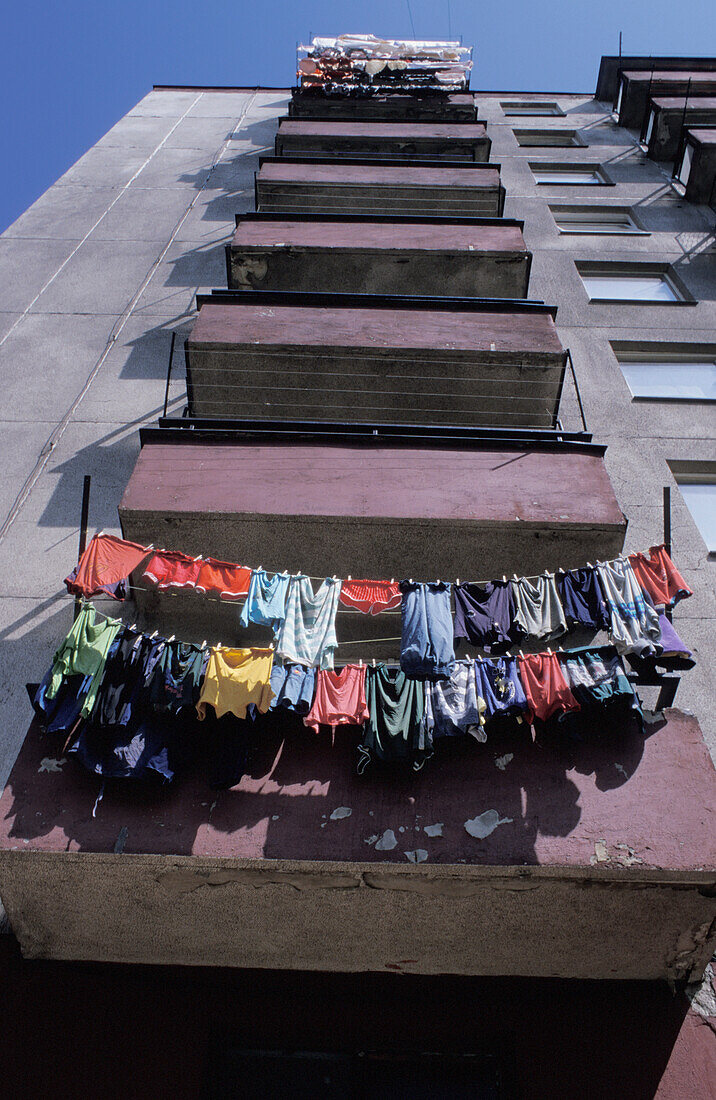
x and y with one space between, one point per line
70 70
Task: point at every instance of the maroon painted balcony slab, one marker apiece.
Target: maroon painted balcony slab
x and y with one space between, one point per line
449 140
375 511
453 107
599 864
422 366
380 257
290 186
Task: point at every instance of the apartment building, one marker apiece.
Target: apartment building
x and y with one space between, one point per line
413 334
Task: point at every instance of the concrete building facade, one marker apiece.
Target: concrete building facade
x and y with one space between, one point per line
101 272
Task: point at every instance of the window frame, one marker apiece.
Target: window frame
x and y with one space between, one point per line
626 269
695 473
635 229
673 359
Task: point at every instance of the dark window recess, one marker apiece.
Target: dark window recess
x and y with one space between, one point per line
235 1074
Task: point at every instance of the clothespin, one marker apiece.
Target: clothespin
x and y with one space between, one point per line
271 646
154 634
504 579
203 644
150 547
457 580
392 580
410 580
171 639
590 566
374 662
561 649
521 654
360 663
515 578
350 577
198 558
99 534
334 577
550 652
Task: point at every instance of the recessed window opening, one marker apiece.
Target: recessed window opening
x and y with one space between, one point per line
549 138
632 282
671 378
580 174
685 166
697 484
595 219
531 107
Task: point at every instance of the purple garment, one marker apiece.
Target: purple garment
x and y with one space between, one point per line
583 599
484 615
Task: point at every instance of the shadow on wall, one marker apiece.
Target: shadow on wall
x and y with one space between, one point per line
300 797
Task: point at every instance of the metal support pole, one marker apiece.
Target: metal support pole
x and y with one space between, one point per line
84 517
683 114
667 534
169 372
576 389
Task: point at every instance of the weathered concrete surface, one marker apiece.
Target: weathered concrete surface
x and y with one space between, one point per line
438 140
438 258
582 874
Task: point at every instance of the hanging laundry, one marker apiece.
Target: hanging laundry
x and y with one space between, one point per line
546 689
671 654
128 670
484 615
659 577
634 623
498 683
178 676
227 743
84 650
454 706
235 678
308 633
266 600
394 730
293 687
426 645
596 677
340 698
371 597
538 608
61 713
170 569
229 581
105 567
583 599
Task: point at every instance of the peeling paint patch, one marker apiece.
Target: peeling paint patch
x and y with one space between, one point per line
274 817
418 856
630 858
49 764
434 830
387 842
485 824
702 995
601 854
622 770
370 839
503 761
341 812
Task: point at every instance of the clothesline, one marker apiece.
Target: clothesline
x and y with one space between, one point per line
392 580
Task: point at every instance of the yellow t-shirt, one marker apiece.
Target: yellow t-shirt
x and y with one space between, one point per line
235 678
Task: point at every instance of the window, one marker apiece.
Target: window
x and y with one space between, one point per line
697 484
531 107
632 282
649 127
670 376
548 172
596 219
562 138
684 170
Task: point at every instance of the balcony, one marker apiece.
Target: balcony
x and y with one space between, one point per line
374 255
349 358
436 140
264 876
667 118
385 107
611 68
695 166
361 186
637 88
